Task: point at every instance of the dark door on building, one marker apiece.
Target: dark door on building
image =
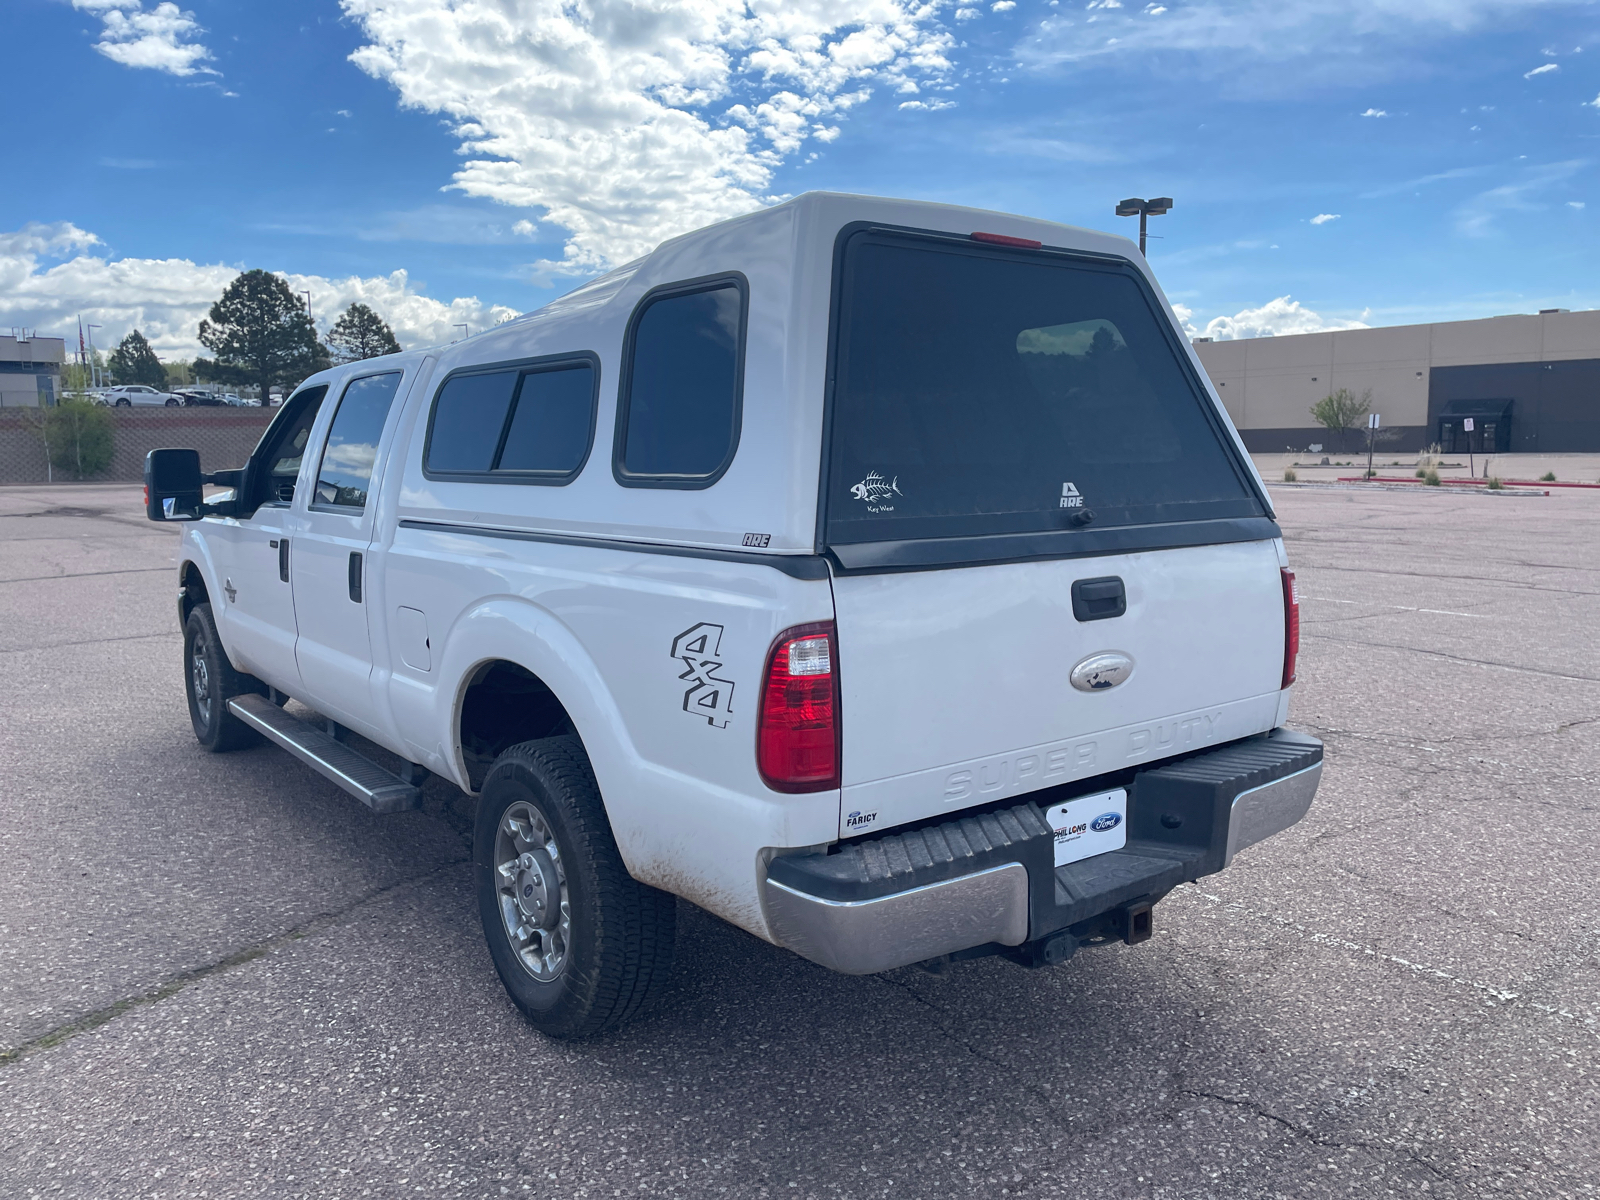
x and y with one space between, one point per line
1491 431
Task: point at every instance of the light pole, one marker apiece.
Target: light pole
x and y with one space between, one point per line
1144 209
94 373
467 328
312 319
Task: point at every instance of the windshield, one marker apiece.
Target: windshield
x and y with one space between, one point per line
983 392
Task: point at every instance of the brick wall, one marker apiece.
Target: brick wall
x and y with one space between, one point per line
224 437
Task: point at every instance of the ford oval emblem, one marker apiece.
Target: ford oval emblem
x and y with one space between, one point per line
1099 672
1106 822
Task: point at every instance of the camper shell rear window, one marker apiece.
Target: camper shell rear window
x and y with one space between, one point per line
984 392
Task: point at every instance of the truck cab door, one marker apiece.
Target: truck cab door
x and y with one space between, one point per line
332 533
252 553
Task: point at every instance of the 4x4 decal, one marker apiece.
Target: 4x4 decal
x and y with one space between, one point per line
709 695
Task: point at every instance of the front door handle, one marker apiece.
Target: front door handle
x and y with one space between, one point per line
355 576
283 559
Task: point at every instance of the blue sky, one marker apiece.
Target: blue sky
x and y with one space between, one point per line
177 144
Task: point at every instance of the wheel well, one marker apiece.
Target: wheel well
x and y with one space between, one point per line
504 705
194 589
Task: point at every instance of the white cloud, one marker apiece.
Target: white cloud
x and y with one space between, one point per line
927 105
1003 5
1544 70
1374 112
1595 103
1526 194
629 121
968 14
160 40
1154 10
1275 318
1574 203
1343 40
47 278
1324 218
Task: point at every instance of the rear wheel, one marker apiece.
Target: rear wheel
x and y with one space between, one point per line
211 681
579 944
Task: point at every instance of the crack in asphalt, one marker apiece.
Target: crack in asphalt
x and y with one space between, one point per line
87 575
1474 662
174 984
132 637
1318 1139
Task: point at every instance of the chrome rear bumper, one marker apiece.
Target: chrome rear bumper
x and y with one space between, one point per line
990 880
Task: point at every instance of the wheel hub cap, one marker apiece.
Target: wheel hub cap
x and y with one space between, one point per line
532 885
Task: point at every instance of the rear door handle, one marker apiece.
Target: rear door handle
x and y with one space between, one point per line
355 576
1099 599
283 559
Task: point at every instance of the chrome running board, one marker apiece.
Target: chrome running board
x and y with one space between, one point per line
333 760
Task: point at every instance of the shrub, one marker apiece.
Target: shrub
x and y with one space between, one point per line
1548 477
1288 475
1430 477
77 435
1496 483
1422 472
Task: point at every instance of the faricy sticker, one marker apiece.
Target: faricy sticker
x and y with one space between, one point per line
708 695
1089 825
1071 497
877 491
859 820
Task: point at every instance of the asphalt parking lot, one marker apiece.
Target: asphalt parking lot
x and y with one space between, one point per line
219 976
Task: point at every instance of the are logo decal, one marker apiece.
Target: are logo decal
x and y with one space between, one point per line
708 695
1106 822
1071 497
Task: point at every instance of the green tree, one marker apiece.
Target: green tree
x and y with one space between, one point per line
360 333
1341 411
180 373
260 333
77 436
134 362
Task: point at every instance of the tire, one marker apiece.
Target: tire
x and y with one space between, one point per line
124 402
173 403
597 945
210 682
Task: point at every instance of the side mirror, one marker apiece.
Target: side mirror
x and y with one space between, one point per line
173 487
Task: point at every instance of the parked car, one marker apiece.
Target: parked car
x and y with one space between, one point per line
199 399
132 394
908 597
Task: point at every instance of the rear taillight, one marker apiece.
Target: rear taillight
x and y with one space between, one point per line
797 742
1291 627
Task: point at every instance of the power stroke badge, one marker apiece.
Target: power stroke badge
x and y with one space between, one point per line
708 695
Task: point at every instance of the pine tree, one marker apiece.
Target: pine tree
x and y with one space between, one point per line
260 333
134 362
360 333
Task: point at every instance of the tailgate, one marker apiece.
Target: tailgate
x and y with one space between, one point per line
956 684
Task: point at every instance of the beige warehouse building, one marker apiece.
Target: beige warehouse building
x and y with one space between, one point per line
1530 383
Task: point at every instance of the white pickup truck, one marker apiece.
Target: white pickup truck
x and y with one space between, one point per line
882 577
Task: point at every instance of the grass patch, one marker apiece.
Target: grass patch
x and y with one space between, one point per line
1548 477
1496 483
1289 476
1430 477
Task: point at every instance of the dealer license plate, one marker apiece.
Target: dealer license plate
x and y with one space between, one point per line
1089 825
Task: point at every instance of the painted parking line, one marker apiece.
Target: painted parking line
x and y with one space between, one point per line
1440 612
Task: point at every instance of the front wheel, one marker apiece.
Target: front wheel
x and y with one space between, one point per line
172 403
211 681
580 945
124 402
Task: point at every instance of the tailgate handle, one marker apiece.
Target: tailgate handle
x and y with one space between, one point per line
1099 599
